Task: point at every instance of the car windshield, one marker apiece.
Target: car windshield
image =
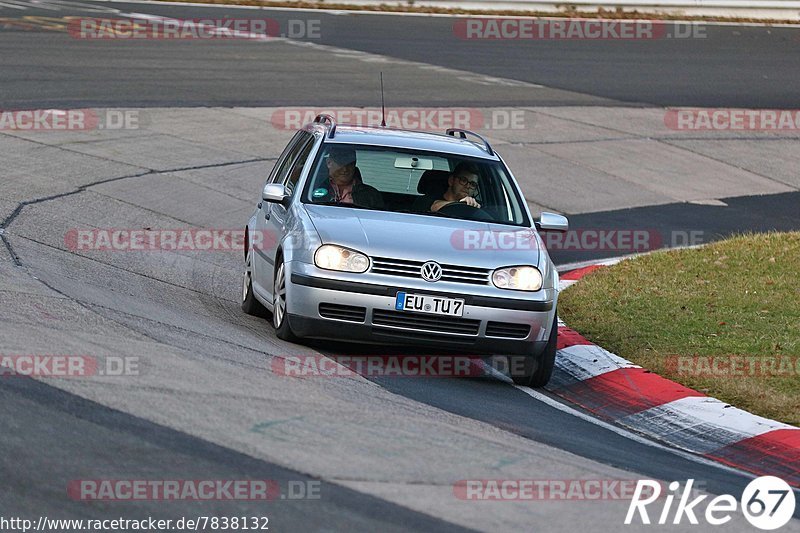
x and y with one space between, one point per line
415 182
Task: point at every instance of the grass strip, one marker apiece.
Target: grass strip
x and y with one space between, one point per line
723 319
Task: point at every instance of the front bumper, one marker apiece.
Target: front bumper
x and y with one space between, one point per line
365 312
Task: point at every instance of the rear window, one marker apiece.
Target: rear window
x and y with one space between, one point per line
378 168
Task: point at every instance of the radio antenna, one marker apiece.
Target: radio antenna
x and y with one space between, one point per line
383 107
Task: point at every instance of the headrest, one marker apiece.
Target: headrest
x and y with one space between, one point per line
433 182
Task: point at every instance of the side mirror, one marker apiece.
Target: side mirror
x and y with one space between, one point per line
275 192
552 222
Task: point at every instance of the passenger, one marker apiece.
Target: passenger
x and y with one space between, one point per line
462 186
344 183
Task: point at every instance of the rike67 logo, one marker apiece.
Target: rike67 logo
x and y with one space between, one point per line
767 502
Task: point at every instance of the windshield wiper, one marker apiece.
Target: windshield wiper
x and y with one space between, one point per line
340 204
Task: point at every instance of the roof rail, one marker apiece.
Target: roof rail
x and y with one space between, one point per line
323 118
462 134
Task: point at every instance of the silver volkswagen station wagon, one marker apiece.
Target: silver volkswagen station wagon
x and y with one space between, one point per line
387 236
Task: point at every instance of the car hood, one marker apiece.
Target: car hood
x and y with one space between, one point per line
425 237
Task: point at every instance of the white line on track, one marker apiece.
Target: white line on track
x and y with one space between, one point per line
56 5
405 14
366 57
49 6
210 28
536 395
628 434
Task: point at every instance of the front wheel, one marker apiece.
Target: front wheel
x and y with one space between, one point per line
532 370
279 311
250 305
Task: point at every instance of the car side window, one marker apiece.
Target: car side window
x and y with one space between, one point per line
296 169
285 158
286 164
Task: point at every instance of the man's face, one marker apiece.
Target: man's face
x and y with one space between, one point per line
464 184
341 174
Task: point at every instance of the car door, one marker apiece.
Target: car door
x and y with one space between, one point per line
271 218
258 264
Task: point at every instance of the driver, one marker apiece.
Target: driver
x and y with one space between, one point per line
462 186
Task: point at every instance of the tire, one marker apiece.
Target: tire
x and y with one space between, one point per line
280 310
250 305
536 370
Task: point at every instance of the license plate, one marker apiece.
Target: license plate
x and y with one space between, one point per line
425 303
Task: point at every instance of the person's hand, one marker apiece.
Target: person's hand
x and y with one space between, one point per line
470 201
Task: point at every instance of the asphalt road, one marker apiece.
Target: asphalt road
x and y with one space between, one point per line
62 437
722 66
206 406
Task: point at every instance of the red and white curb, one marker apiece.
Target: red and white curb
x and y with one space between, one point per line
616 390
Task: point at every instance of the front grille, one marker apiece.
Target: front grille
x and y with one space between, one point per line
350 313
435 324
411 269
503 329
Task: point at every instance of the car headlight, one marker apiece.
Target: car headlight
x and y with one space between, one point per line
518 278
332 257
